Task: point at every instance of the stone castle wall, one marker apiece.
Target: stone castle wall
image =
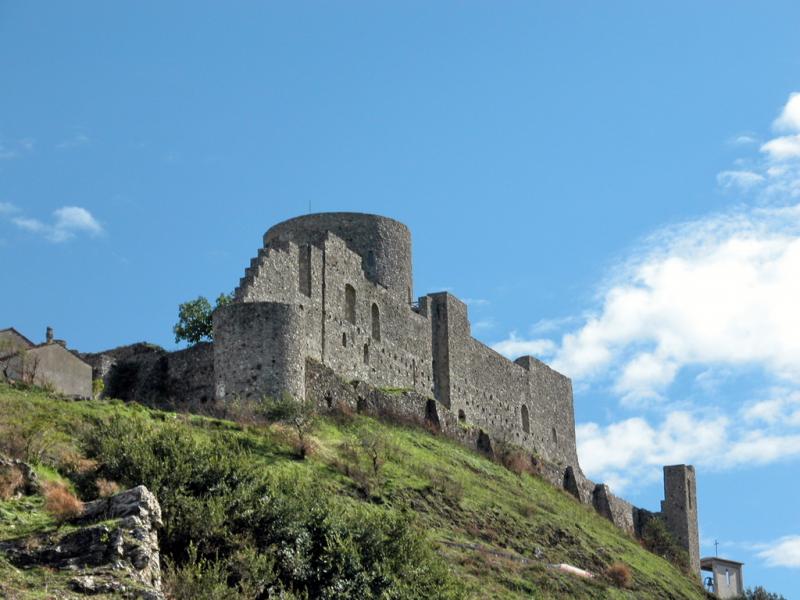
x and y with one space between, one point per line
324 312
365 330
679 509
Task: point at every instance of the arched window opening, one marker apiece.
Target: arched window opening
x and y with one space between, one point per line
376 323
350 303
366 354
344 340
555 435
462 418
526 424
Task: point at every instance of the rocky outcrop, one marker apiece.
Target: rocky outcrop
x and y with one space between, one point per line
114 549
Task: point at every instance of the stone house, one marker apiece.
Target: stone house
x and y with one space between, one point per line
49 365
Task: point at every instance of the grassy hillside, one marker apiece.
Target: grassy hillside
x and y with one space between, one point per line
496 531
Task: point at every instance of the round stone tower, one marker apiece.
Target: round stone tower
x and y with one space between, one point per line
383 244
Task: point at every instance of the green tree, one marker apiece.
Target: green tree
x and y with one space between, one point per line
194 319
301 414
759 593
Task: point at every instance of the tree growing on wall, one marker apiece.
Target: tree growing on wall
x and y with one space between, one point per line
194 319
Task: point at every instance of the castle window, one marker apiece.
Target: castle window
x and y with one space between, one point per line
344 340
555 435
350 303
526 424
376 323
366 354
462 418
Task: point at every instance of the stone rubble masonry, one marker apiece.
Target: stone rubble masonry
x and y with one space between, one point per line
679 509
150 374
327 299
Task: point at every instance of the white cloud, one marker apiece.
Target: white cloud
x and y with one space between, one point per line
721 291
6 208
514 347
743 139
75 141
784 552
632 451
643 374
782 407
739 179
719 294
476 302
789 119
783 148
15 148
484 324
68 222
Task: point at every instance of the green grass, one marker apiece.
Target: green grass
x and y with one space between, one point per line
470 507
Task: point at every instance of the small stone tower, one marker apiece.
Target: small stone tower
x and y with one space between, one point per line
679 509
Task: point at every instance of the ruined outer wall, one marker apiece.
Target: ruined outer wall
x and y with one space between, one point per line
258 350
383 244
679 510
494 393
148 373
552 418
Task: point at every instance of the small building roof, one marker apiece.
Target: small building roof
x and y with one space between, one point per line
708 561
14 331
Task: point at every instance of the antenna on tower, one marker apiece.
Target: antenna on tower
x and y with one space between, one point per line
716 547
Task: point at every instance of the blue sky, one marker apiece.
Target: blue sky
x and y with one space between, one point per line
614 187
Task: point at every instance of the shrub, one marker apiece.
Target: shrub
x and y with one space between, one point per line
514 459
228 524
60 503
759 593
106 488
29 438
620 575
658 540
300 414
197 579
11 479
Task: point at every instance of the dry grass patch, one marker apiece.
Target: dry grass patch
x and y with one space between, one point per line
11 479
60 503
620 575
106 487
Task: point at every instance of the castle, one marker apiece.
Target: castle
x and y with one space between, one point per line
329 300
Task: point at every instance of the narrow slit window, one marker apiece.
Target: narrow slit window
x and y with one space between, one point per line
350 303
376 323
526 424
